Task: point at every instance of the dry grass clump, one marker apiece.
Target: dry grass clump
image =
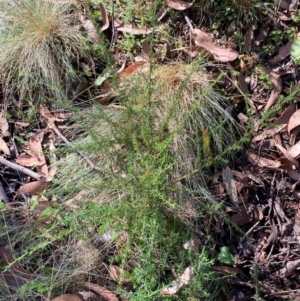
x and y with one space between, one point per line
39 42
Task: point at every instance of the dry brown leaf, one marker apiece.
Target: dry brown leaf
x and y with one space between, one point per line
224 269
176 285
104 19
277 88
33 188
286 115
4 125
242 83
283 52
119 26
89 296
267 133
89 28
3 147
29 161
102 291
220 54
294 121
16 276
146 50
45 113
68 297
263 33
116 273
287 154
295 150
161 14
249 39
34 147
229 182
243 217
262 162
179 4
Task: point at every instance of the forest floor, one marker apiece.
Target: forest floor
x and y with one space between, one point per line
167 168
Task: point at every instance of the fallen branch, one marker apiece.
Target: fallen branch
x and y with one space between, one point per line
21 169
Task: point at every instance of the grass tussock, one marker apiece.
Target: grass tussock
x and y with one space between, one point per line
39 43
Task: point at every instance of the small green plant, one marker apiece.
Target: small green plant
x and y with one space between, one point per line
295 50
39 43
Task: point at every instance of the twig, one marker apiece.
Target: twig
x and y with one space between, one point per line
21 169
188 21
112 24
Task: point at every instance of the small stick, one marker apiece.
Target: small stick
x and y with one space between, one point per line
21 169
188 21
112 24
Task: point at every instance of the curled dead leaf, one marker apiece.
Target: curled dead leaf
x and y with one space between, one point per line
277 88
220 54
294 121
117 274
179 4
229 182
3 147
29 161
15 276
267 133
286 115
263 33
33 188
262 162
176 285
295 150
283 52
105 21
249 39
89 28
287 154
102 291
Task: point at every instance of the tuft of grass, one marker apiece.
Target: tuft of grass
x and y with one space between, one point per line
40 42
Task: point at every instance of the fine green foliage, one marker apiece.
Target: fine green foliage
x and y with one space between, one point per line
39 42
156 148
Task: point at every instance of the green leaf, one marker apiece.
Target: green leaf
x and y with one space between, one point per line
225 256
49 211
2 206
33 204
295 50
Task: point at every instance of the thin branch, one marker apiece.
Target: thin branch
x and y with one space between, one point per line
21 169
189 23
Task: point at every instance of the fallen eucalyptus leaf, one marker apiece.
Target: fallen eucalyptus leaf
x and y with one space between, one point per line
220 54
